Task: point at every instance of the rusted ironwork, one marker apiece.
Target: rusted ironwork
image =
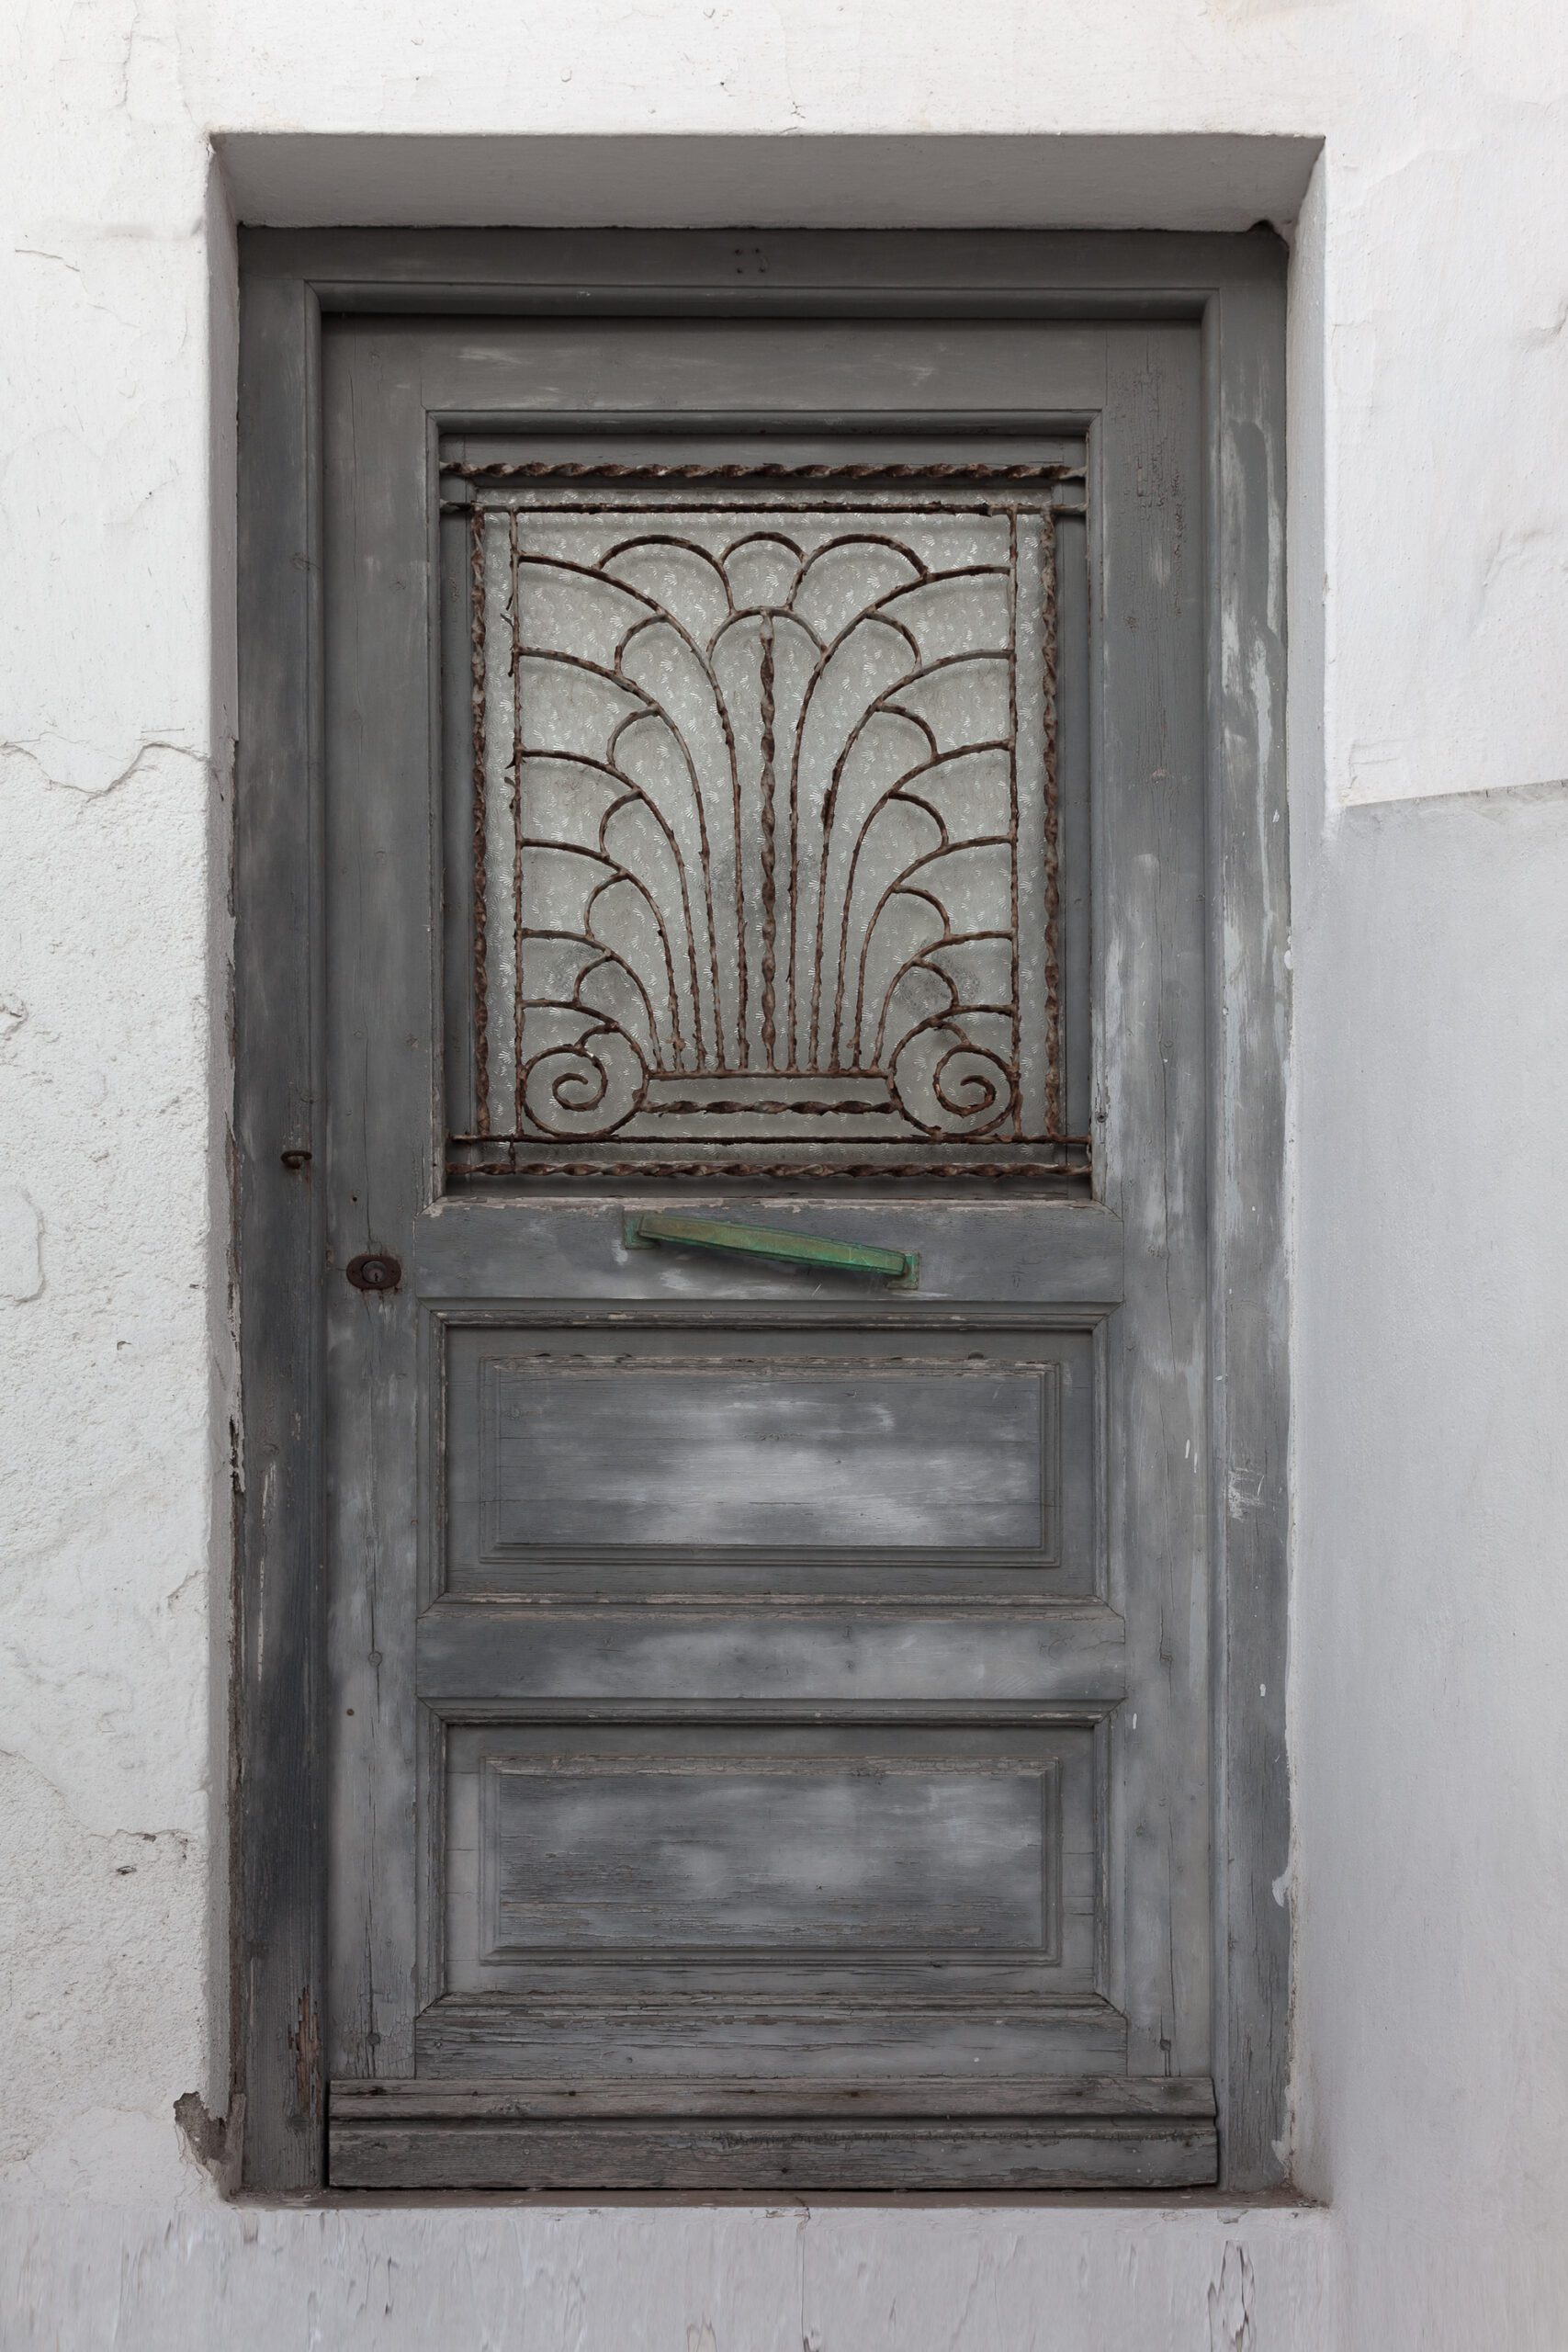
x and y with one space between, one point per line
1054 1022
759 469
481 905
514 780
1014 944
374 1270
769 827
646 865
1068 1157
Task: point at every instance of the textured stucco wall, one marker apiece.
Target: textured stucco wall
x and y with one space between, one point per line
1429 522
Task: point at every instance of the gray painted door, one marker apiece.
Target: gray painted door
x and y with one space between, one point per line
766 1331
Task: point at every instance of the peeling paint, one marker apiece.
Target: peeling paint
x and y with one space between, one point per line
1230 2303
205 2135
305 2041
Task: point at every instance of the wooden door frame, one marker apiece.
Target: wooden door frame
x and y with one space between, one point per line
1234 288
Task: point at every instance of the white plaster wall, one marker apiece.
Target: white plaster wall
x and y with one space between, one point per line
1432 1620
1429 522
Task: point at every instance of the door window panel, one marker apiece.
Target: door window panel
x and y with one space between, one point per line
761 802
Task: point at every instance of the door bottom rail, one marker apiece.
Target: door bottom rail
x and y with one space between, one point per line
1057 2131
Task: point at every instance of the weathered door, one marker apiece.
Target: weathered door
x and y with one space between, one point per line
766 1253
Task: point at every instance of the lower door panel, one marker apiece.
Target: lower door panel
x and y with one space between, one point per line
767 1685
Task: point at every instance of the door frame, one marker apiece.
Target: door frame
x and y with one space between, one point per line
1234 288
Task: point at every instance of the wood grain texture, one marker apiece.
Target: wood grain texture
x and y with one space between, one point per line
693 273
1234 287
993 1888
1151 1148
776 1856
763 1455
687 1461
1136 2154
378 1174
279 1928
1072 1655
1107 2099
384 879
1069 1255
808 2042
602 1858
1249 917
1047 2132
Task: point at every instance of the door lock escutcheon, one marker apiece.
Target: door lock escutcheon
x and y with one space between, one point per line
375 1271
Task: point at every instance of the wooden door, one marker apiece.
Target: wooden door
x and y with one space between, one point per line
767 1462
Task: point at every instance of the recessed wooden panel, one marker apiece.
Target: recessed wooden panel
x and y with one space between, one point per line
778 1858
838 1463
766 1455
769 1855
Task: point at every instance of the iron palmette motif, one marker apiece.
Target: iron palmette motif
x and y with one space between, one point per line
769 839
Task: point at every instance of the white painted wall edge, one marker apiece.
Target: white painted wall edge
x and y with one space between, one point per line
950 180
627 2277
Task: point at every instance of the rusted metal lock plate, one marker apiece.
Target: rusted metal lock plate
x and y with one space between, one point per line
375 1271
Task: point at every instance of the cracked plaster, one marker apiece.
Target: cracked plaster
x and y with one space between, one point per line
1429 538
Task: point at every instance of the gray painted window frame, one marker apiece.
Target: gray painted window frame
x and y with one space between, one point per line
1234 288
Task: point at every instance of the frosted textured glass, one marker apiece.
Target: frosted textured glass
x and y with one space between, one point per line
764 831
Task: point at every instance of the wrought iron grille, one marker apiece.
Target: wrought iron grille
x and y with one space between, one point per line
762 819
